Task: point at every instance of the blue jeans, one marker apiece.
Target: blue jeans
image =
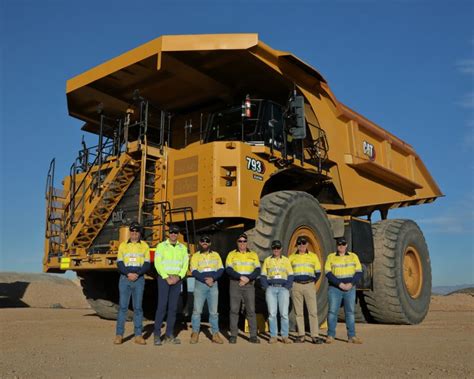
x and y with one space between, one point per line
336 296
134 289
278 298
203 292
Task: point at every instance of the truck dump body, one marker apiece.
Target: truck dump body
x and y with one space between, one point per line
196 73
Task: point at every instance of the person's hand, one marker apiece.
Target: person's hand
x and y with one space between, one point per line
132 276
170 280
348 286
342 286
244 279
209 281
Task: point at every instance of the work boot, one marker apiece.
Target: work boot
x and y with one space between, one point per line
233 339
355 340
286 341
139 340
172 340
273 340
118 340
299 339
254 340
317 340
194 338
157 341
216 338
329 340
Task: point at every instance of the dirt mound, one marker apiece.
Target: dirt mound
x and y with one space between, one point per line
467 291
39 291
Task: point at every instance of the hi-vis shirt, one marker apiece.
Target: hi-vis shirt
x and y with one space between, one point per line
242 264
343 268
133 256
171 260
277 271
306 266
206 265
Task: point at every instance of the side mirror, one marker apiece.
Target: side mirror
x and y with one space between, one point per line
298 127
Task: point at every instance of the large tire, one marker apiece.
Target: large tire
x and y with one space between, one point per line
402 274
285 215
101 291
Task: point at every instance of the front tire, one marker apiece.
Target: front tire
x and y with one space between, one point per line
286 215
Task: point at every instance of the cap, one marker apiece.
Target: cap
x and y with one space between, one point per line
243 235
276 244
301 239
341 241
135 227
174 228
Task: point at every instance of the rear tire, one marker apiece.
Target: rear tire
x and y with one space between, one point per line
402 274
285 215
102 293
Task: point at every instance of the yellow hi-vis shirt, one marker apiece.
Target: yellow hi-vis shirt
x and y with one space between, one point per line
206 262
277 268
171 260
242 263
343 266
133 254
305 265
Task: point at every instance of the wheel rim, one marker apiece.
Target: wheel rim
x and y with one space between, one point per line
314 245
412 272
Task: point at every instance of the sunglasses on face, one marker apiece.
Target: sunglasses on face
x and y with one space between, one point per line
342 244
173 232
242 241
301 243
276 248
134 231
205 240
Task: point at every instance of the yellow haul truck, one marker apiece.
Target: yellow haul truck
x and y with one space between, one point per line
223 134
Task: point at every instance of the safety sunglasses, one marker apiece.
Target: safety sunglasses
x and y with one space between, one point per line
205 240
242 241
342 244
173 232
302 242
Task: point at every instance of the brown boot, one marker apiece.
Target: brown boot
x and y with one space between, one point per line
139 340
273 340
194 338
286 340
355 340
216 338
118 340
329 339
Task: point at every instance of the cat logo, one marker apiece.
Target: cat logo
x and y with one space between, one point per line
369 150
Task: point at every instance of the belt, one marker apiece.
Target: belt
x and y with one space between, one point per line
305 282
276 285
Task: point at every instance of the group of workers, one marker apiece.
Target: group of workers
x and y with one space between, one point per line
280 277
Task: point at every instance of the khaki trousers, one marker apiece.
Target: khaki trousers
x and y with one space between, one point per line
305 293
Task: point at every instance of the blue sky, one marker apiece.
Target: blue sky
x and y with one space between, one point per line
406 65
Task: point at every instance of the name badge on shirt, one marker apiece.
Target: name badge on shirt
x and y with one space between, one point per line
207 269
132 259
277 277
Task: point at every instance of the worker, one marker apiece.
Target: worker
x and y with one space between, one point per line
343 270
243 267
206 268
171 263
133 261
276 280
306 270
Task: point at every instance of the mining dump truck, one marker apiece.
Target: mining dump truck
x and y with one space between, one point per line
222 134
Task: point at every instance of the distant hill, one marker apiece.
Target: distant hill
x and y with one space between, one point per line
445 290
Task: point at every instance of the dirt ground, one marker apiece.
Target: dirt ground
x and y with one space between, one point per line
72 342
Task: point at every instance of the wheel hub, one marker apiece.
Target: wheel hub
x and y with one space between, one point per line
412 272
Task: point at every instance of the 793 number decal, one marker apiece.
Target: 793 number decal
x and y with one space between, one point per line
255 165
